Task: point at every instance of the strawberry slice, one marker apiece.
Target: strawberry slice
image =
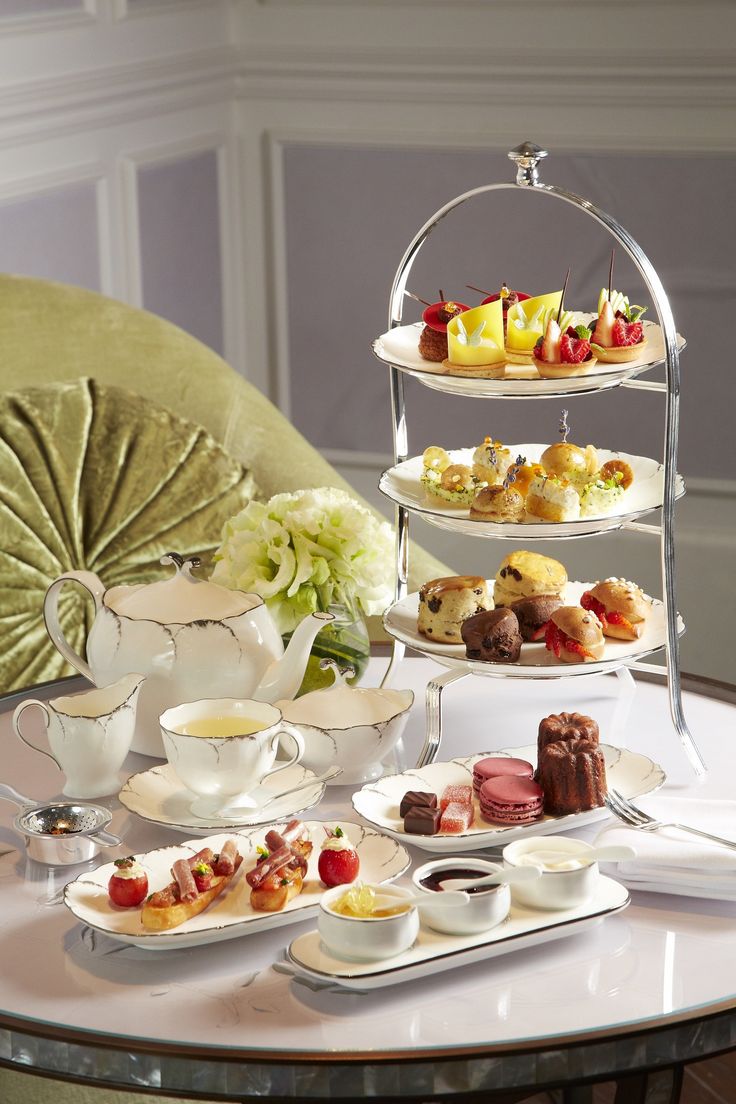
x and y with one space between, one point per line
615 618
588 602
626 333
556 640
574 350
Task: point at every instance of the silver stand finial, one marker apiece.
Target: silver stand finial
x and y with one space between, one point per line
527 157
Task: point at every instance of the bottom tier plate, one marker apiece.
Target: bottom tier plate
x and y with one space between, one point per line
434 951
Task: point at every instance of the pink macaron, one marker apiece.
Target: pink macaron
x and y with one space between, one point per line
500 766
511 800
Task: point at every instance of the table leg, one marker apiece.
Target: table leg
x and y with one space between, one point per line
658 1087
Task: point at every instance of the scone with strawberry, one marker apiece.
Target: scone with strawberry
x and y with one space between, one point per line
618 332
564 350
338 860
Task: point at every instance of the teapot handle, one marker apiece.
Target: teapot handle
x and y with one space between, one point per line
91 583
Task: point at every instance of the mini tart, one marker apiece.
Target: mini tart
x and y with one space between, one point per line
516 356
497 370
618 354
562 371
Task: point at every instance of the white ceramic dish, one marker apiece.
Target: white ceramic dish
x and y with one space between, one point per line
434 951
158 795
367 938
400 621
400 348
354 728
555 889
402 485
484 910
628 772
381 860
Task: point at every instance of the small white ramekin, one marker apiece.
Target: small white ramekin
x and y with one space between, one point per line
370 938
556 889
483 911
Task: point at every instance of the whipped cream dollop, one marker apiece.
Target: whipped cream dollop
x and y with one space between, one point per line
134 870
337 843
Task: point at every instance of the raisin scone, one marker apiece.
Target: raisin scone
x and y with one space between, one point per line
445 603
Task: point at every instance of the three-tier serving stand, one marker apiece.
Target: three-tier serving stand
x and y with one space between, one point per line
527 158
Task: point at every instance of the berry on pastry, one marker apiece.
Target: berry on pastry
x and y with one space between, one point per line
563 351
620 606
433 338
618 333
575 635
475 342
525 325
523 574
445 603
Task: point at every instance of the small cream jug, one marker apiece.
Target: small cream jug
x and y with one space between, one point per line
191 639
89 734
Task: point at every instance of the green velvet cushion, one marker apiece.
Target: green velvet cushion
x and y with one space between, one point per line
95 477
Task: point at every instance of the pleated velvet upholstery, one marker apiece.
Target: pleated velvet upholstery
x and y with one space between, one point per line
95 477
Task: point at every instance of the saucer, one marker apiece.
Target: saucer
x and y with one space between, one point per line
158 795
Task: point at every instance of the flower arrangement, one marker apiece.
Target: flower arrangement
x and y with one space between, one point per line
307 551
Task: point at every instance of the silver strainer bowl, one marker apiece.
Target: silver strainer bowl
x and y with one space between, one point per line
63 832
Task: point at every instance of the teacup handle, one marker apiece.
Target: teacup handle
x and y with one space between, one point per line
16 726
298 739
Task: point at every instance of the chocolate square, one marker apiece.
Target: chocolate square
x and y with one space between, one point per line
417 797
422 820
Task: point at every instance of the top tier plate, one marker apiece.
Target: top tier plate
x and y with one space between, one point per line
400 347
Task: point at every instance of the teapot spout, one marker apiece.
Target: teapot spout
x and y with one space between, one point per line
283 678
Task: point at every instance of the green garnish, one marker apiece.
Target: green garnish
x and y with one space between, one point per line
284 881
123 864
634 313
202 868
338 832
262 851
583 332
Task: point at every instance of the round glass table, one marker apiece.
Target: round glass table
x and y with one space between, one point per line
647 989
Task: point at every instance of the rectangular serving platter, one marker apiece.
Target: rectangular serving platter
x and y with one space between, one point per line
435 951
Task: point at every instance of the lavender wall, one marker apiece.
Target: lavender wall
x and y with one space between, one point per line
180 244
351 212
52 235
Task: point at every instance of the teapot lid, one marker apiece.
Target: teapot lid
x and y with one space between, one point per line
180 599
342 706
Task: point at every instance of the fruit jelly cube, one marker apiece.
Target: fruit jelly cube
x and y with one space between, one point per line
457 817
463 795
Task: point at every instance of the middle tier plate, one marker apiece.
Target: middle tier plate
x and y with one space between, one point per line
402 485
400 621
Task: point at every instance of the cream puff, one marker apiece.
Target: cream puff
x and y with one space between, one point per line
571 462
491 461
499 504
621 607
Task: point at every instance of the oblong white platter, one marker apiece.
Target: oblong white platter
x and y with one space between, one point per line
400 621
402 485
158 795
434 951
382 859
400 347
628 772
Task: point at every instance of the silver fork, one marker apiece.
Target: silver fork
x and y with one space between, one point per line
635 817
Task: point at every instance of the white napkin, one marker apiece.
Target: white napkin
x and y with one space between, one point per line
670 861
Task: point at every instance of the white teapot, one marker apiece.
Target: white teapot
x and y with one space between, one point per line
190 638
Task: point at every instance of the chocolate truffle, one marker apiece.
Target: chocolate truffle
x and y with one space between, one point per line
533 614
492 636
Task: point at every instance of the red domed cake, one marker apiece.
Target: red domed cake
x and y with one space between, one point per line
566 726
572 774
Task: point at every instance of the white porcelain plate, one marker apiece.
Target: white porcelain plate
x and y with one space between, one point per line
535 661
381 860
158 795
633 775
434 951
402 485
400 348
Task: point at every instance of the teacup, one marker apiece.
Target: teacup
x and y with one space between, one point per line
89 734
224 748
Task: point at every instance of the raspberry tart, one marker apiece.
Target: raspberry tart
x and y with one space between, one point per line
565 350
618 333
